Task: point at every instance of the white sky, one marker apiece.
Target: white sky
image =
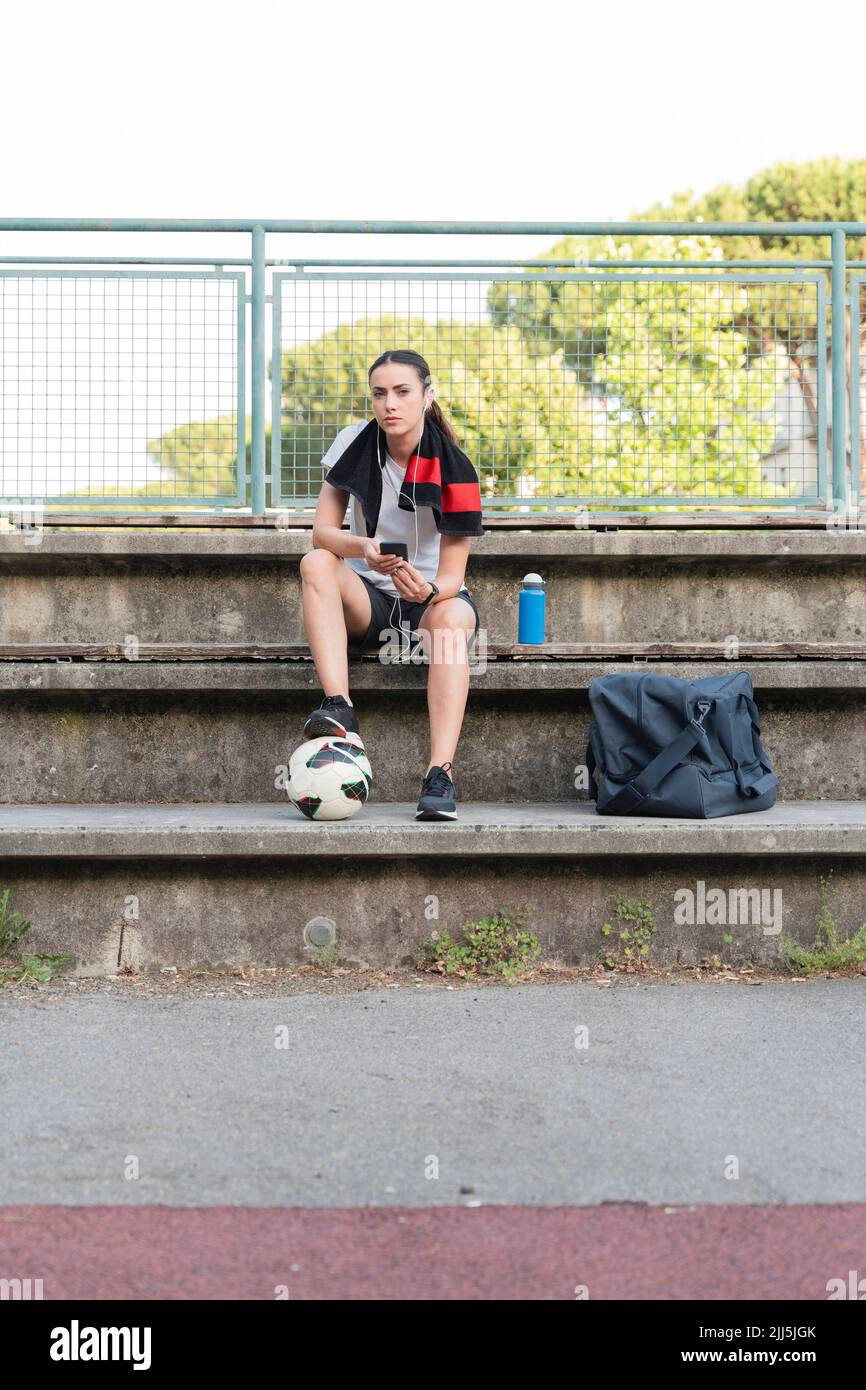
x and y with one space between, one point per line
449 112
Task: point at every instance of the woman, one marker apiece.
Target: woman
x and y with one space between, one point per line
408 481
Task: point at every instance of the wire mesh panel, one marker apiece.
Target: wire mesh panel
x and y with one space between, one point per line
565 389
857 400
123 386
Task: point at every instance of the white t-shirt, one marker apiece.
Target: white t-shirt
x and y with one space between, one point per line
394 524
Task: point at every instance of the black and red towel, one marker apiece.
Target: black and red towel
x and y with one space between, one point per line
438 475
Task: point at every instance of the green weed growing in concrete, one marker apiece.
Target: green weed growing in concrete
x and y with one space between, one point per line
637 927
828 952
327 958
13 929
716 961
496 945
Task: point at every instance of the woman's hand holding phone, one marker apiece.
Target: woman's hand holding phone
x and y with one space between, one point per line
410 583
383 564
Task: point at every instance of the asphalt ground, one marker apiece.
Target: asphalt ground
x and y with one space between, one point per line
644 1142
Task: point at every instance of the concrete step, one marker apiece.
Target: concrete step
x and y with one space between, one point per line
523 518
100 585
180 731
150 886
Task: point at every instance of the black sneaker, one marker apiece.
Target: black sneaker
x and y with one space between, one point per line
334 716
437 796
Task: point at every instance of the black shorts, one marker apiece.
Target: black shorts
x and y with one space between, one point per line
382 604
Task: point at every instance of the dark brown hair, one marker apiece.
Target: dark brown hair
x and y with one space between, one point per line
414 359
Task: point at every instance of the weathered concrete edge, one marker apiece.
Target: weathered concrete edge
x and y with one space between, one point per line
528 831
273 544
34 677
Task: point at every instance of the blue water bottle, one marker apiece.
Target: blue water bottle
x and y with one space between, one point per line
530 614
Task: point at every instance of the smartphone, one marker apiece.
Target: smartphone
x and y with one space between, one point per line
394 548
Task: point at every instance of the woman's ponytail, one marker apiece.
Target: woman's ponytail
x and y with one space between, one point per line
434 409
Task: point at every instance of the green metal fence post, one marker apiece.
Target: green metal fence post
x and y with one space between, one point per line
839 389
257 447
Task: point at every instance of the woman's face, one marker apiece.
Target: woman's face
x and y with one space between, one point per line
398 398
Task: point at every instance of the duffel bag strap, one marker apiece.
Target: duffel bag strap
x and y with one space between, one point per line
594 758
763 784
638 789
590 767
768 779
756 725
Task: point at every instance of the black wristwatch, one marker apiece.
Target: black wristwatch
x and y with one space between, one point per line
435 588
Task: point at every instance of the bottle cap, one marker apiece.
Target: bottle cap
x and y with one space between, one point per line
533 581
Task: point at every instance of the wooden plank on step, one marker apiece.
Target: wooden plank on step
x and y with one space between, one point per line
691 651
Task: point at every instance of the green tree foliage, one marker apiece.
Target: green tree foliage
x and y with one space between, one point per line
685 371
509 413
820 190
522 402
200 458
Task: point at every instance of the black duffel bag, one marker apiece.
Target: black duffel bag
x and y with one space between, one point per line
663 746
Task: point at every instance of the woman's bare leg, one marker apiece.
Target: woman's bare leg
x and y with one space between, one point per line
336 607
450 625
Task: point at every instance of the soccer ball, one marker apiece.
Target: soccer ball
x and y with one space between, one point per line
329 777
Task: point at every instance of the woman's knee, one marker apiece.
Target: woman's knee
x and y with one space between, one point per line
453 614
317 564
450 632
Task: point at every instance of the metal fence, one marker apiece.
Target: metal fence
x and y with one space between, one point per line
597 383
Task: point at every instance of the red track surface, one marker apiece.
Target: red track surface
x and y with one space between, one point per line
617 1251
